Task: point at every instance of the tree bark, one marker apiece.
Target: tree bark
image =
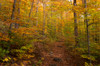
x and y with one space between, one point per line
87 28
13 11
31 9
37 13
16 24
44 5
0 5
75 25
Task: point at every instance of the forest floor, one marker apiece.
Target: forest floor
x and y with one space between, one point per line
54 54
58 56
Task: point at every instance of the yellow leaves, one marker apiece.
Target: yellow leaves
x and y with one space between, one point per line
87 57
86 64
25 1
78 9
31 50
57 3
30 56
14 59
42 58
22 64
6 59
96 46
27 56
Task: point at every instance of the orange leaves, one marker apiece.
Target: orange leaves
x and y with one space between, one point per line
57 3
4 37
24 30
0 34
12 21
78 9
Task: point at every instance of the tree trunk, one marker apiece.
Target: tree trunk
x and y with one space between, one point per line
37 13
75 25
0 5
44 5
16 24
87 28
13 11
0 9
31 9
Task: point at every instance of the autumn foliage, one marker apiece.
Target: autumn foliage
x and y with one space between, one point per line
25 23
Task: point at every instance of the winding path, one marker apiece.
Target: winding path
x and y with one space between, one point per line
58 56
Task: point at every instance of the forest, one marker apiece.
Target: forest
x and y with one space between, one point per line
49 32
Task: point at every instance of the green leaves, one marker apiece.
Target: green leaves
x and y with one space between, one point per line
87 64
89 58
3 53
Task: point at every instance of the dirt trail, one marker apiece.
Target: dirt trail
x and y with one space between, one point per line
58 56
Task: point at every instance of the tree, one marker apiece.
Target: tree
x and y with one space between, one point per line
44 6
37 12
31 8
87 28
0 5
75 25
16 24
13 11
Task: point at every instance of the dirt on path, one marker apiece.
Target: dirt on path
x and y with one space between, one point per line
58 56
